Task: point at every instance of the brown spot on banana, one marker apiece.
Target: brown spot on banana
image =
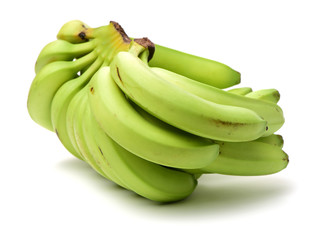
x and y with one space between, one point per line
118 74
82 35
219 122
100 151
92 90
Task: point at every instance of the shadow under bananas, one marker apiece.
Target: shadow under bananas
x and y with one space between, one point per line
215 195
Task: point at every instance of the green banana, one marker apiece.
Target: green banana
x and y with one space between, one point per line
145 178
200 69
81 144
270 112
60 50
84 140
73 106
61 101
240 91
252 158
75 31
91 149
270 95
180 108
46 83
141 133
274 139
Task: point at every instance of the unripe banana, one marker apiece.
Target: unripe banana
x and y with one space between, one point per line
270 95
85 141
75 31
252 158
143 134
92 150
274 139
78 120
61 101
61 50
47 82
200 69
269 111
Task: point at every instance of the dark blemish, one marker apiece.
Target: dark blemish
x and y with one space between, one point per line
92 90
286 158
266 128
276 95
118 74
219 122
82 35
100 151
57 132
83 26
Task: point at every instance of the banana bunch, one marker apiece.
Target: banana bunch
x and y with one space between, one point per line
150 118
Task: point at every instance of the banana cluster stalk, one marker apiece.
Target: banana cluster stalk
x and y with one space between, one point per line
150 118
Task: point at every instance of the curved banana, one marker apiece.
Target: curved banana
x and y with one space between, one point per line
269 111
60 50
270 95
200 69
46 83
274 139
143 134
78 120
73 106
252 158
240 91
75 31
61 101
150 180
180 108
91 149
85 141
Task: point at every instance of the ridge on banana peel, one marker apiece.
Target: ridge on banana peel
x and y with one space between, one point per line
205 119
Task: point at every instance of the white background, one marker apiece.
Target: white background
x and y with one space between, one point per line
48 194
